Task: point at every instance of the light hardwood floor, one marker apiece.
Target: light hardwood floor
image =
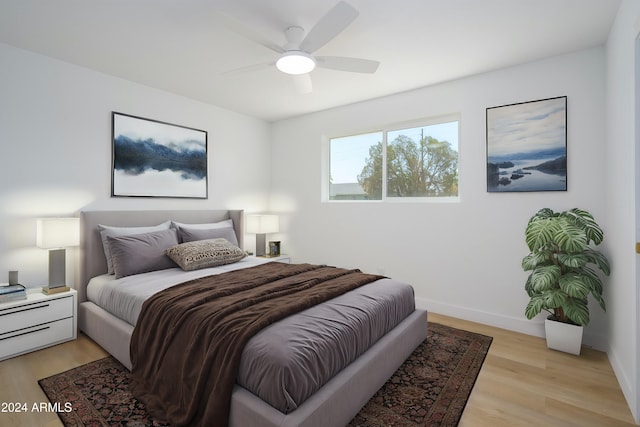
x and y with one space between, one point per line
521 383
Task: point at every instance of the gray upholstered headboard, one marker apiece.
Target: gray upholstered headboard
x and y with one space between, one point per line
92 259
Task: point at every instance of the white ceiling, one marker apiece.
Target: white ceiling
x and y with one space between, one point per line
186 46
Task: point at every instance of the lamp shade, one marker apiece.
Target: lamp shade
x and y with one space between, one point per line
57 232
262 224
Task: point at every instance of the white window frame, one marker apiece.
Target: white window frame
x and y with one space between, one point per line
326 161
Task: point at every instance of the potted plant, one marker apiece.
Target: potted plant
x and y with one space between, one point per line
564 271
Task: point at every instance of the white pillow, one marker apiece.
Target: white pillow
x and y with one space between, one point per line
107 230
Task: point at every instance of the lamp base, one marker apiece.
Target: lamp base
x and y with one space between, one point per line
47 290
261 243
57 265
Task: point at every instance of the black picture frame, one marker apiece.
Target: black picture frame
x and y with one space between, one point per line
527 146
151 158
274 248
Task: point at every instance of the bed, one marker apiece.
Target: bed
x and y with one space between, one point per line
333 404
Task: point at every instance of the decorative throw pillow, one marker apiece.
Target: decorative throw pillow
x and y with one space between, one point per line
107 230
141 253
205 253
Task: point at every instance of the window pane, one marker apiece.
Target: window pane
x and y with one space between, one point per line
423 161
355 170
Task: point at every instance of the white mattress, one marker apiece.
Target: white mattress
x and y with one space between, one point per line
124 297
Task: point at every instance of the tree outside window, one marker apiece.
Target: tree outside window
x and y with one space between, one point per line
420 162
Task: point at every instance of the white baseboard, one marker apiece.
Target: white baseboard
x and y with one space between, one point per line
533 327
625 385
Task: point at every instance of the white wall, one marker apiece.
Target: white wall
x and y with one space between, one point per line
55 139
462 258
623 228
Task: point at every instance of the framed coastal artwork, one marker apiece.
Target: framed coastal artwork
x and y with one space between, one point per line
157 159
527 146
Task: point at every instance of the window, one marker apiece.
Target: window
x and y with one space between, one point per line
418 162
351 156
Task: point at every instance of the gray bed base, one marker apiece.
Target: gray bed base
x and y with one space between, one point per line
334 405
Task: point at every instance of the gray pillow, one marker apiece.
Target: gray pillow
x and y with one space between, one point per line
213 230
205 253
193 234
141 253
107 230
209 225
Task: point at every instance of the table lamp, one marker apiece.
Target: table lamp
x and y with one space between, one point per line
56 234
260 225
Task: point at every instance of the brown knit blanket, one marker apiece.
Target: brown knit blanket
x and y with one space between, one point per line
187 344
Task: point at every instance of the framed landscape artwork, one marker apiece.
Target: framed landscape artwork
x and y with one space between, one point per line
527 146
157 159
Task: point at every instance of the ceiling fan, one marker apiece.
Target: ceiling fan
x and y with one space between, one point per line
296 56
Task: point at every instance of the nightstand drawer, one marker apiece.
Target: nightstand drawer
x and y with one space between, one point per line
34 337
34 313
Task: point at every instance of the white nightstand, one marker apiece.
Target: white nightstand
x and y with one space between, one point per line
280 258
37 322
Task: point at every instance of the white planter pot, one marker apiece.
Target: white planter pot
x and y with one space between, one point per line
563 336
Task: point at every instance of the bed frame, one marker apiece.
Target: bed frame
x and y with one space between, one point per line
335 404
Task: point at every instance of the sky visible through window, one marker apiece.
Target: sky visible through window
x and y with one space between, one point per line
349 153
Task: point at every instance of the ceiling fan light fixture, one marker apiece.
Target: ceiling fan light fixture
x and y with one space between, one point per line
296 62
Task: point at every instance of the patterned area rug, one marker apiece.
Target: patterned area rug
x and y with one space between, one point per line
431 388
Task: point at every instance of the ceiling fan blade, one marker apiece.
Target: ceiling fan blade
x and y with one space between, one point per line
302 83
249 34
331 24
354 65
248 69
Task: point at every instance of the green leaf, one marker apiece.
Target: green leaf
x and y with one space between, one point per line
577 310
545 277
570 238
528 287
574 285
529 262
597 258
534 307
600 300
573 260
539 234
596 286
584 220
533 260
543 213
554 298
592 279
